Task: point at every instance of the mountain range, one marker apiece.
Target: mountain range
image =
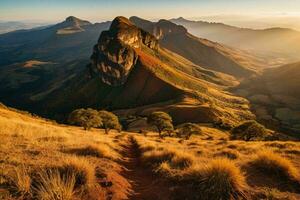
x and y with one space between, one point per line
280 45
136 67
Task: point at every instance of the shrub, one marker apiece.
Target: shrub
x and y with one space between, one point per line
221 179
249 131
87 118
187 130
271 163
109 121
52 185
162 121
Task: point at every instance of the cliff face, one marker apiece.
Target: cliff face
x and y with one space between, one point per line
114 56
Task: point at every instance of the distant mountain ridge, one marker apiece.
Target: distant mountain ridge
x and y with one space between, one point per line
280 44
202 52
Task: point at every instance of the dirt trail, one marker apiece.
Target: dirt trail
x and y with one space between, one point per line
145 186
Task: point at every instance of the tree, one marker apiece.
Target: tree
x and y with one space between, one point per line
188 129
109 121
87 118
249 131
162 121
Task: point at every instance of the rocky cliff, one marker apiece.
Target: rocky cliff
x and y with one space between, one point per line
114 56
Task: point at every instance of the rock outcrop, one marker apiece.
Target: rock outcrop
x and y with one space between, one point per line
114 56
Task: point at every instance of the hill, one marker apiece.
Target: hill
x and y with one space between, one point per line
129 70
58 43
280 45
208 54
41 159
36 62
275 96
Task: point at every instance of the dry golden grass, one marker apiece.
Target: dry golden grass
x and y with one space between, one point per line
100 151
274 164
231 155
32 147
52 185
81 169
220 179
36 162
20 182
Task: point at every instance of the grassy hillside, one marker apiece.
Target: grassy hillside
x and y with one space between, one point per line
275 96
41 159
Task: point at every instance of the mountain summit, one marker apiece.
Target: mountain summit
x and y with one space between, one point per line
114 56
72 25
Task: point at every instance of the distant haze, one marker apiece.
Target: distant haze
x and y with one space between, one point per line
246 13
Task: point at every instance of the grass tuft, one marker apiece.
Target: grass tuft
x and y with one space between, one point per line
221 179
52 185
20 182
271 163
102 151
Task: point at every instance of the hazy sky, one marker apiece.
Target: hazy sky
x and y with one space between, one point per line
100 10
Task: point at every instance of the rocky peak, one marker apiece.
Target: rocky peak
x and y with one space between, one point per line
74 21
114 55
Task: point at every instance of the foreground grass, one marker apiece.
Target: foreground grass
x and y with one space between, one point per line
42 160
215 167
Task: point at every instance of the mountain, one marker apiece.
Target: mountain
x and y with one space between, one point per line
275 96
66 41
72 25
131 74
205 53
281 45
38 61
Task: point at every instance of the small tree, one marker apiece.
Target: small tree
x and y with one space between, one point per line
162 121
87 118
188 129
109 121
249 131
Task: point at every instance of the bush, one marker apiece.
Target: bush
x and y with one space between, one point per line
162 121
187 130
221 179
109 121
87 118
273 164
249 131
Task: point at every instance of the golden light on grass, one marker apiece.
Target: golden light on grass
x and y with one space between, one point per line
99 150
220 179
269 162
53 185
20 181
81 168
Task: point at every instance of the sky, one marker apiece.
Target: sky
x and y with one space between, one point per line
268 12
